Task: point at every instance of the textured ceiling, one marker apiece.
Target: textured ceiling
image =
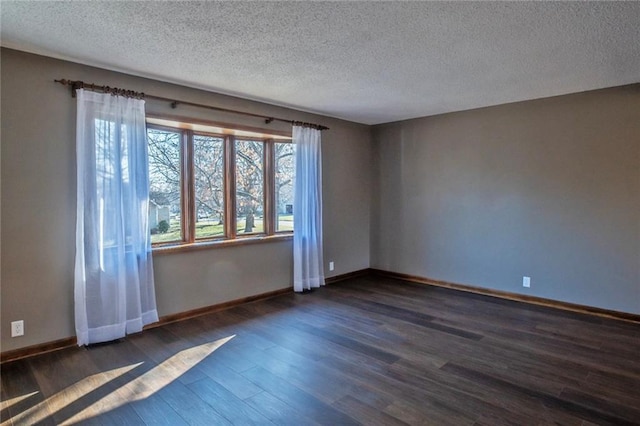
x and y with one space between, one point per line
369 62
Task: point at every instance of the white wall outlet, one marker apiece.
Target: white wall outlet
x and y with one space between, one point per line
331 266
526 281
17 328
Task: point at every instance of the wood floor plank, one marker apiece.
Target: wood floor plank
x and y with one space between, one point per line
326 384
413 317
71 381
277 411
190 407
226 404
234 382
364 413
159 344
583 411
614 386
153 410
350 344
123 415
322 383
369 350
390 388
143 398
481 397
429 413
297 398
22 398
603 405
229 358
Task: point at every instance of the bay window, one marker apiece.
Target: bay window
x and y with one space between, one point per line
210 183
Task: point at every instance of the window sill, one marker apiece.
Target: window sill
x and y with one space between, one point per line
207 245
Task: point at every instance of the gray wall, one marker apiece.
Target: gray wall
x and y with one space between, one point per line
548 189
38 202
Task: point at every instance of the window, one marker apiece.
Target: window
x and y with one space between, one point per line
249 186
285 156
210 183
208 176
165 176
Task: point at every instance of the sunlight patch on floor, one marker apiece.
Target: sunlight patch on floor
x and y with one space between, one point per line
41 410
13 401
150 382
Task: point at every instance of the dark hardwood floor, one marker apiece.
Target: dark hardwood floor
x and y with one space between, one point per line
369 350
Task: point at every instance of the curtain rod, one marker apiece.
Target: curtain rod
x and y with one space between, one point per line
77 84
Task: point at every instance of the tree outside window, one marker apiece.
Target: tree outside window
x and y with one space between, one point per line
206 186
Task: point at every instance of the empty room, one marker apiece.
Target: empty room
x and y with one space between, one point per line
320 213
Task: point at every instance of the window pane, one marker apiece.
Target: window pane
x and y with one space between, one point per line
164 186
208 164
249 187
285 174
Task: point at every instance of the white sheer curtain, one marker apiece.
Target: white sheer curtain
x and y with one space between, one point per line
114 291
308 269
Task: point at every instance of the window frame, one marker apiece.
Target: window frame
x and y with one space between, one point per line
187 185
265 171
274 183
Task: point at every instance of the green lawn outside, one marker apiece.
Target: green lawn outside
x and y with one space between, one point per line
285 222
211 229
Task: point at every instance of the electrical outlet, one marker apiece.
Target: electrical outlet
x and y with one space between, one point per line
526 281
17 328
331 266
